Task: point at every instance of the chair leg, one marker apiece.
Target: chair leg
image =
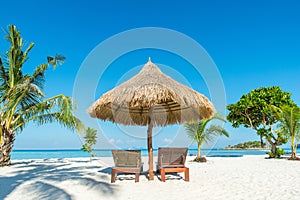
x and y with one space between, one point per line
113 176
187 174
162 174
157 170
137 177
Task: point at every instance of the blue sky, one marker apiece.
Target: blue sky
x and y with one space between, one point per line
252 43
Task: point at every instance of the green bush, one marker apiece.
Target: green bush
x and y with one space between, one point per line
278 154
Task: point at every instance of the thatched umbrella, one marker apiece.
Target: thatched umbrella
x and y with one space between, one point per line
151 98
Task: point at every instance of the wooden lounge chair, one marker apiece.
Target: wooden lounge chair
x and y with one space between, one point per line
172 160
127 161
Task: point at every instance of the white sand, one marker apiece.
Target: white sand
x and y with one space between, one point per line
248 177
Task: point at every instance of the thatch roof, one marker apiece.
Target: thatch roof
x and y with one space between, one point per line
171 102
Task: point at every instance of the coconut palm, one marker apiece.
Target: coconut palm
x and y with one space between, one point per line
198 132
289 117
90 138
22 99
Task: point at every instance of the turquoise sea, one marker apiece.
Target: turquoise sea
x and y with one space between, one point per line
46 154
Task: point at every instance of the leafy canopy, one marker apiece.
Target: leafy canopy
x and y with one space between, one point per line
253 109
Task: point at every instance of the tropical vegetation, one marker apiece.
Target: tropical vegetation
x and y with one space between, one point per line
254 110
289 118
198 132
247 145
90 137
22 98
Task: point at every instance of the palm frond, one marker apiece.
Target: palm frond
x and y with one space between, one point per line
203 123
289 118
1 136
38 77
56 109
25 54
3 73
58 59
218 117
15 55
197 130
213 131
90 136
65 107
71 122
3 81
191 129
22 95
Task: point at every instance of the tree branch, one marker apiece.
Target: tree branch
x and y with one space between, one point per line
250 121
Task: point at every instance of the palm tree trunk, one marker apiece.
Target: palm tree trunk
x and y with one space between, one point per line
6 147
199 151
293 156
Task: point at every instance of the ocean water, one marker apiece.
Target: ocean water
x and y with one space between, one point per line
46 154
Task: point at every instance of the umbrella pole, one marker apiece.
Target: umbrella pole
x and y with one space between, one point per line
150 149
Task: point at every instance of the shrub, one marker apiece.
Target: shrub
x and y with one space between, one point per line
278 154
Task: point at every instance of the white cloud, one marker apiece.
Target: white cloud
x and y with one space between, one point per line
168 140
113 141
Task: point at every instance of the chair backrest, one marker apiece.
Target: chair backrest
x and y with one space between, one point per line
127 158
172 157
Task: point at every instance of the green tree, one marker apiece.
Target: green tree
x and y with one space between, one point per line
90 138
253 110
246 145
22 99
198 132
289 118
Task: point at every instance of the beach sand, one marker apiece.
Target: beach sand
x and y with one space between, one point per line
247 177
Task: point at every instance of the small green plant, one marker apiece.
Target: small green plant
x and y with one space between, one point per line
199 132
90 140
278 154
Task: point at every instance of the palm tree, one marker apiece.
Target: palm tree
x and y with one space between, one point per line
22 99
197 132
289 118
90 138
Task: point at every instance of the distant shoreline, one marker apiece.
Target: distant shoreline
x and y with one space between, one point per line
47 154
254 148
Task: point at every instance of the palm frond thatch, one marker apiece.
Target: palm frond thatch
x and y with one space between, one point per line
170 102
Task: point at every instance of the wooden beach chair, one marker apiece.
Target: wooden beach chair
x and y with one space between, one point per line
172 160
127 161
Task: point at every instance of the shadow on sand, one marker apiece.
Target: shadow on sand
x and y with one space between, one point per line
39 179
